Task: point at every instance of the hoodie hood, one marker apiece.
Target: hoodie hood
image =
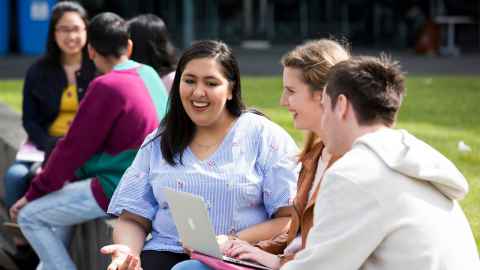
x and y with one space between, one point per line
405 154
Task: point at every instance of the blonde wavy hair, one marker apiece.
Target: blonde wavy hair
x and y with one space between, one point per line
314 59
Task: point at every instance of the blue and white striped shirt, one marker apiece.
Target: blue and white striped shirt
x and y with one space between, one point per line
252 174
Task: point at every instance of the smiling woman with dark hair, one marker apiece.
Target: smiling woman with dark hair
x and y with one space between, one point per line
53 88
240 162
305 70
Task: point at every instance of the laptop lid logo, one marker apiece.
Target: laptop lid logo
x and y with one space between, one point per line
191 224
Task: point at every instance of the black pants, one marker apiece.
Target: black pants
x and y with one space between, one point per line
161 260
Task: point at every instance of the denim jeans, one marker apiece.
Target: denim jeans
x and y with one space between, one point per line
47 222
191 265
16 182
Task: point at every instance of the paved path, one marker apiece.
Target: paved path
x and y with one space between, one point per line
267 62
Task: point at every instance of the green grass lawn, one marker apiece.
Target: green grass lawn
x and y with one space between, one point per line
11 93
440 110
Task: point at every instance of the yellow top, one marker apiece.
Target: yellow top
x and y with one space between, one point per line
68 109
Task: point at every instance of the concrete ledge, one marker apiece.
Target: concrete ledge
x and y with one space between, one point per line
11 135
88 237
87 240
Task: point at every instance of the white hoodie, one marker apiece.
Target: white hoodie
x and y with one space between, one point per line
390 203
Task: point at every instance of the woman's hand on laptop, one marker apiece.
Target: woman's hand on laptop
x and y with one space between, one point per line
226 241
187 250
122 258
223 242
242 250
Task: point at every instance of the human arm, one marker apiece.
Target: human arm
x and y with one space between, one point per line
134 203
243 248
279 224
348 227
255 233
32 113
279 171
244 251
85 138
16 207
128 237
270 252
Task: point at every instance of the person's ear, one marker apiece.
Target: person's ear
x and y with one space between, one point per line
341 108
230 90
317 95
91 52
129 48
283 98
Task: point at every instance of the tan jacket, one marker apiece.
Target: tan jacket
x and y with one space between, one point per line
302 210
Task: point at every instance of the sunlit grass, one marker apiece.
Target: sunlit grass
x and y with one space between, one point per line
11 93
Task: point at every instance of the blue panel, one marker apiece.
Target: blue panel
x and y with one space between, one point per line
33 18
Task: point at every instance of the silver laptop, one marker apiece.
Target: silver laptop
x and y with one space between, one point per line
194 228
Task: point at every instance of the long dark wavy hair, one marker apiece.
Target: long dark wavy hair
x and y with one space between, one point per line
151 43
53 54
177 129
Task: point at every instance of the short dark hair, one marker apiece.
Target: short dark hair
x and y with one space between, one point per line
53 53
374 86
151 43
108 34
177 129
